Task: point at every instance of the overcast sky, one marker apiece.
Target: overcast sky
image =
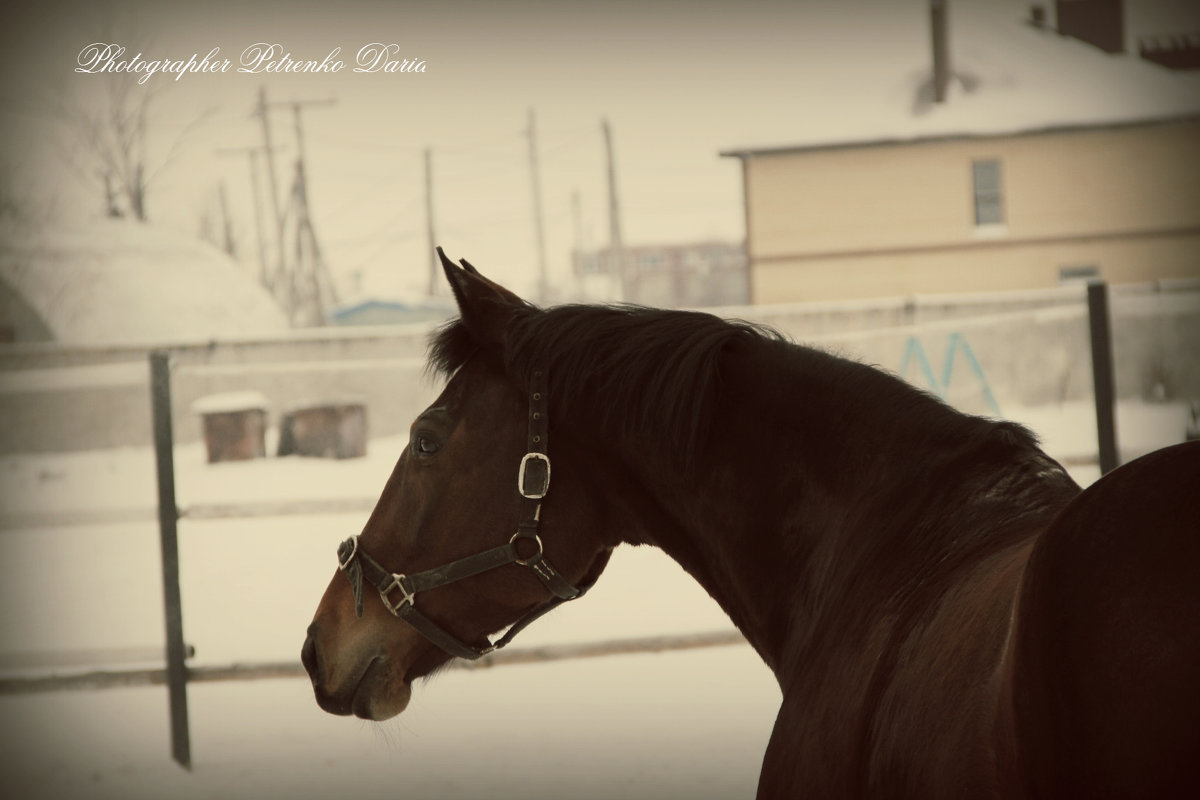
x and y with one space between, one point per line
679 82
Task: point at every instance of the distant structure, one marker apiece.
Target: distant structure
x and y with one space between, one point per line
1048 160
1115 27
1097 22
668 276
392 312
116 281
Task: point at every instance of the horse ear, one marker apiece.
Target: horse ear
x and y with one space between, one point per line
485 306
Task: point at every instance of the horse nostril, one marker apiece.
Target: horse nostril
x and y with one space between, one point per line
308 655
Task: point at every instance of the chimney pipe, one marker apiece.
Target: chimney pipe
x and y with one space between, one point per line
941 48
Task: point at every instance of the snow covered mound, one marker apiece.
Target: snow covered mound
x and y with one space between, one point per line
128 282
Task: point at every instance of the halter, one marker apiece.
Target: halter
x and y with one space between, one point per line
533 481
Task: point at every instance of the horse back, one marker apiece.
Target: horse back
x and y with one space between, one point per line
1106 653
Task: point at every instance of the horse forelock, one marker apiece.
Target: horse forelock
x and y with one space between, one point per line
450 346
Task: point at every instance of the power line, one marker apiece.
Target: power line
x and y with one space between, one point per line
364 197
385 245
381 230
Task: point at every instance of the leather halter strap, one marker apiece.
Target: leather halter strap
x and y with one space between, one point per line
399 591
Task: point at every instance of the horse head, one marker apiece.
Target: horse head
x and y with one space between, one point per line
467 538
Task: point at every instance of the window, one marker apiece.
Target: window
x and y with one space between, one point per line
989 192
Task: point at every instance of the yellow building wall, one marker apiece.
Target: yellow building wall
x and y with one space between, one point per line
899 219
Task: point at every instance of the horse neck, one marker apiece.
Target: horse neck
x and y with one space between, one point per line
812 490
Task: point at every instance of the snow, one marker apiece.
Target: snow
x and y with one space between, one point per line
681 724
1007 77
685 724
640 727
117 281
227 402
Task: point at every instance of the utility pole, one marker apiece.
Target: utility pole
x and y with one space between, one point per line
306 286
577 251
226 225
319 285
542 290
264 276
431 239
616 248
258 226
277 213
297 107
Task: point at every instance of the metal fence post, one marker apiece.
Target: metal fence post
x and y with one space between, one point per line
168 518
1102 375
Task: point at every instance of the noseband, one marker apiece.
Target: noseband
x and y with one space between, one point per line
533 481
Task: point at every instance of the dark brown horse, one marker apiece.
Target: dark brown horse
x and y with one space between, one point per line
947 614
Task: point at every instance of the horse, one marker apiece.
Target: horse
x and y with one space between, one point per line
947 613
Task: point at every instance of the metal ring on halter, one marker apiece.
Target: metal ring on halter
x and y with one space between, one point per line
524 562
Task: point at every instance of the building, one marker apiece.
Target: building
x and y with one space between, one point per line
1048 160
667 276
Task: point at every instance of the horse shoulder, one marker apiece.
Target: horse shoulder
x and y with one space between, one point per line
940 726
916 710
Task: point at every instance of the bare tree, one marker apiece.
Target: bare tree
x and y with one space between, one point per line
108 125
107 142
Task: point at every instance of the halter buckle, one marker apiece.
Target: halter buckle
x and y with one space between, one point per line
397 583
535 492
343 564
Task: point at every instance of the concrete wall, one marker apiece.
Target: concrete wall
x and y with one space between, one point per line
1032 348
898 218
55 398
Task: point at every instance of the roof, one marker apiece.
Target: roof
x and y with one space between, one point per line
1009 77
957 136
122 281
375 311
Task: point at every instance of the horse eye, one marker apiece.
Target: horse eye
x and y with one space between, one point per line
426 446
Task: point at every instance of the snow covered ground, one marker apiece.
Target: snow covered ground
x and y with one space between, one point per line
686 724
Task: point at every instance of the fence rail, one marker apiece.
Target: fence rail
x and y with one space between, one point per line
158 676
279 508
299 506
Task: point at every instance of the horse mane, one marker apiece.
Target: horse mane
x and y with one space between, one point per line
626 370
656 374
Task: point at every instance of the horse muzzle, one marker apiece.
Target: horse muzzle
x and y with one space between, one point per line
368 689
